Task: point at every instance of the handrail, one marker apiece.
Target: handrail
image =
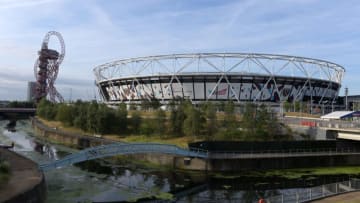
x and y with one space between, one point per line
317 192
290 151
122 148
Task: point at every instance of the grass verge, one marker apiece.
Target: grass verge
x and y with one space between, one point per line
178 141
297 173
4 172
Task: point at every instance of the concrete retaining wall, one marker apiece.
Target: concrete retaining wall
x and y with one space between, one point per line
314 133
26 183
188 163
283 163
70 139
81 142
171 161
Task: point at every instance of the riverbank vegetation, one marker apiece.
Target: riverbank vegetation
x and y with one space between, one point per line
180 121
4 172
296 173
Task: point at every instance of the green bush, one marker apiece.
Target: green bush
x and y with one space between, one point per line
4 167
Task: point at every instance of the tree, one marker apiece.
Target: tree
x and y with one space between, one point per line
50 112
259 124
248 120
64 114
80 115
193 121
177 117
155 103
46 109
121 119
41 108
287 106
297 106
147 127
230 122
210 119
145 104
106 120
21 104
152 104
262 124
135 122
91 114
160 122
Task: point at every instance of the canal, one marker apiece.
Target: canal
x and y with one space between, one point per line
99 181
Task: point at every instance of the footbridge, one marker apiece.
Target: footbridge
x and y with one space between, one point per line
121 149
16 113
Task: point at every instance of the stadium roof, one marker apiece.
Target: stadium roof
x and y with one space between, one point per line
341 115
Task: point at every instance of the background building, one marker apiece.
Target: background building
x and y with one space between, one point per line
31 91
241 77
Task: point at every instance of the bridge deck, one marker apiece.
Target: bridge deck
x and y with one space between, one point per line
136 148
121 148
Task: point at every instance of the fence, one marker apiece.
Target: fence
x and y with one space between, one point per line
317 192
283 153
344 124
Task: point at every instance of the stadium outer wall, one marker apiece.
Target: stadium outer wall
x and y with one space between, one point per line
241 77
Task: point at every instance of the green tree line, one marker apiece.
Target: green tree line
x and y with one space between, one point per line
181 118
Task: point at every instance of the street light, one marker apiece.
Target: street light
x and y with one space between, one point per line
332 105
323 106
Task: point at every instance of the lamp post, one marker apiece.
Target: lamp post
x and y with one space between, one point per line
323 106
332 105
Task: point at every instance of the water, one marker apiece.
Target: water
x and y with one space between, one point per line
95 182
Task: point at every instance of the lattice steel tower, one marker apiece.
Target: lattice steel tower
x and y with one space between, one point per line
46 69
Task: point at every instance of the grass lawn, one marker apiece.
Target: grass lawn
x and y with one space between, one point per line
298 114
3 179
4 172
60 126
179 141
297 173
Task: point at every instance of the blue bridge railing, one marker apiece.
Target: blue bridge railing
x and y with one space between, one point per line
122 148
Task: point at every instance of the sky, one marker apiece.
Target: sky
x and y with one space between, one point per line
96 32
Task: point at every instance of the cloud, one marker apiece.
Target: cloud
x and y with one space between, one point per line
97 32
6 4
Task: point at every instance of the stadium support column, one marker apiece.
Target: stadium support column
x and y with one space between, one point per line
346 98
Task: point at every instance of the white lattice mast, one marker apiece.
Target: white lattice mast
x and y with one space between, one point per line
47 67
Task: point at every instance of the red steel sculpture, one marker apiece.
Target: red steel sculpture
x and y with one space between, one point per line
46 69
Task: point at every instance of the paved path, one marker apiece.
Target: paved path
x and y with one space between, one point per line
351 197
24 175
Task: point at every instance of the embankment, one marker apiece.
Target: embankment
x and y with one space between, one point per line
66 138
231 163
83 141
26 183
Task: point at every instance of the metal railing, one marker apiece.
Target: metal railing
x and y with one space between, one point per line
317 192
122 148
283 153
338 124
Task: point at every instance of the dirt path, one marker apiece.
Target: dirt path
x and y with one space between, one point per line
24 175
351 197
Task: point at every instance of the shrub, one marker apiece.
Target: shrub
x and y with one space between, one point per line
4 166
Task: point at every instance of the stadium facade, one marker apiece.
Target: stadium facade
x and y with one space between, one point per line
241 77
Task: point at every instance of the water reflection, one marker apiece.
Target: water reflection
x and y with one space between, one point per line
100 181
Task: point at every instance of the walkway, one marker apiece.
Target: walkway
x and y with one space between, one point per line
24 178
119 149
350 197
